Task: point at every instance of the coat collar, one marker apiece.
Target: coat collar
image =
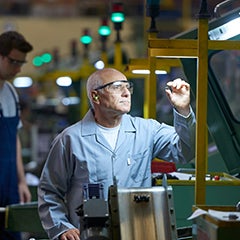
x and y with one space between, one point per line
89 126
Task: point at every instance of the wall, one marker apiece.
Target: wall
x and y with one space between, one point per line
46 34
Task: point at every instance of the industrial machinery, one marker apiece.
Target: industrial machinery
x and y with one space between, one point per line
129 214
222 113
132 213
221 63
94 214
222 89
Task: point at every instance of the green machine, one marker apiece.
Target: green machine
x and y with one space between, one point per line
223 118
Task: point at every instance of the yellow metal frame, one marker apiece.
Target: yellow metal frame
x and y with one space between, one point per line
178 48
228 180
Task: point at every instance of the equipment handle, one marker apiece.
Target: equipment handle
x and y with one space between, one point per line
221 5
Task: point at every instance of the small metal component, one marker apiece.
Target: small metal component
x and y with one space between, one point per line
238 206
164 181
232 216
141 198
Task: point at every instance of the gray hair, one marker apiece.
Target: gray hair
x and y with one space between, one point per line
96 79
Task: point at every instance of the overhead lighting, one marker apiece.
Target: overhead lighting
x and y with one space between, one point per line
226 31
146 71
99 64
70 101
162 72
22 82
64 81
140 71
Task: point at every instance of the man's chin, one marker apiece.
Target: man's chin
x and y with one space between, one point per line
126 110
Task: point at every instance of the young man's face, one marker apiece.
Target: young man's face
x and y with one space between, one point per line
11 64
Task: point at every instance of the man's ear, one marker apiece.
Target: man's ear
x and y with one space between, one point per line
95 96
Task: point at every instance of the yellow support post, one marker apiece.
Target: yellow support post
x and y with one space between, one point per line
118 56
150 86
84 99
201 112
150 91
85 70
104 57
146 101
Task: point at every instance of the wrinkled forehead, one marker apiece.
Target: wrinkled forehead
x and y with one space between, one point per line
111 76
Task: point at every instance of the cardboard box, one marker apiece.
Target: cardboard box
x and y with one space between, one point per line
207 227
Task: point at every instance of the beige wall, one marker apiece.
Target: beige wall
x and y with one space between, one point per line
46 34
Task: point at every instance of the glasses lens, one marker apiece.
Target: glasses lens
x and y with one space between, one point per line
15 61
119 86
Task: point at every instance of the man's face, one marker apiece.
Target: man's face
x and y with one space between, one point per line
115 94
11 65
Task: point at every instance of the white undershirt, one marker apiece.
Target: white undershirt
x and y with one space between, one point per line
110 134
7 101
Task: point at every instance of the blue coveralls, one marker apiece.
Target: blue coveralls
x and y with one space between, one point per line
8 168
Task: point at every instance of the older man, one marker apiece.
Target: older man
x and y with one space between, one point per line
108 144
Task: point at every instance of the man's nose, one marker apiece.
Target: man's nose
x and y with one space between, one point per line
125 90
18 69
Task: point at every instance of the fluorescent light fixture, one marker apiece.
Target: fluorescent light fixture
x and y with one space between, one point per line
64 81
226 31
22 82
70 101
146 71
140 71
162 72
176 56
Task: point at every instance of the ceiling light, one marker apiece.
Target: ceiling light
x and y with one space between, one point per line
22 82
64 81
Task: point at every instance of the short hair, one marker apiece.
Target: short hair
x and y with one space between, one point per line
96 79
13 40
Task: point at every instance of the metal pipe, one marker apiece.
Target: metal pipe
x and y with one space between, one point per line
220 5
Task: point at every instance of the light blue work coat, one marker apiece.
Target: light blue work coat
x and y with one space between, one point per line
81 154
